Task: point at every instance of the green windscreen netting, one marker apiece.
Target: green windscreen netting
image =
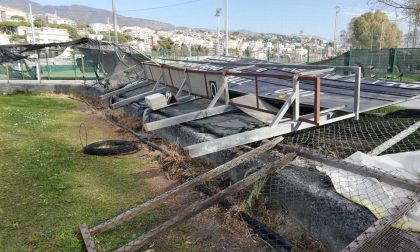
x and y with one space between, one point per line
397 63
104 63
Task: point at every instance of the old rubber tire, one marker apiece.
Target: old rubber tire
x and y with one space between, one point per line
110 147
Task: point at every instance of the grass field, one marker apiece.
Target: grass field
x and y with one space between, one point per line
48 187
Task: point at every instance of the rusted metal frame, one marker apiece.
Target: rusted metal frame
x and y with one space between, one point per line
203 71
278 76
296 116
301 118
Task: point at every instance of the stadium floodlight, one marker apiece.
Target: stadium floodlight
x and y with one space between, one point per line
218 12
227 27
337 10
114 12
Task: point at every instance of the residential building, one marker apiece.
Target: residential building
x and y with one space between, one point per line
55 19
46 35
101 27
6 14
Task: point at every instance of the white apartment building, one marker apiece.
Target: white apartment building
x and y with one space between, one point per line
138 32
96 36
55 19
47 35
101 27
6 14
4 39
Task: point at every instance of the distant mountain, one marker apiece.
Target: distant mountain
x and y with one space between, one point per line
85 14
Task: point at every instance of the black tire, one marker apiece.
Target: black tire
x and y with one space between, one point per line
110 147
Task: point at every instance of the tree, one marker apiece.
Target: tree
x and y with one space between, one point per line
410 9
121 37
39 22
18 18
373 30
164 44
11 27
247 52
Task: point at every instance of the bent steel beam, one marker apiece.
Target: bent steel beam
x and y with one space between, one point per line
188 117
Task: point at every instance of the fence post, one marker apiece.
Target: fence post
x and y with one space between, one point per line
350 55
7 73
48 67
21 69
74 66
394 62
307 58
356 104
83 69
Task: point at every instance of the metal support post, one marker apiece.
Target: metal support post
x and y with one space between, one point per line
358 76
296 103
287 104
74 66
7 73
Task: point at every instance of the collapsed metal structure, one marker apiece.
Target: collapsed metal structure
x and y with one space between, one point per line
277 95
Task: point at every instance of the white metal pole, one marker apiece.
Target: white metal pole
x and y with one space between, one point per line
115 23
337 10
31 17
227 27
218 36
32 23
109 30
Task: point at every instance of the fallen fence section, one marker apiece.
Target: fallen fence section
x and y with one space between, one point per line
133 212
201 206
215 86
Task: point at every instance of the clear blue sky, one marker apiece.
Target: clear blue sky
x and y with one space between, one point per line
314 17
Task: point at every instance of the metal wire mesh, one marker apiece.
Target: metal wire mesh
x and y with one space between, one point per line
306 206
396 63
343 138
315 207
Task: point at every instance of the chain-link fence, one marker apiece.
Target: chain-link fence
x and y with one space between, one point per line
84 59
397 63
327 199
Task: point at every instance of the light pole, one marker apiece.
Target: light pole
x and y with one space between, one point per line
218 11
115 22
337 10
227 27
37 63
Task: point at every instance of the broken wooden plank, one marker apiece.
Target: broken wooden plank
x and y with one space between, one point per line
201 206
365 171
87 238
135 211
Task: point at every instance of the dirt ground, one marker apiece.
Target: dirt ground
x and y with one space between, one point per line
212 230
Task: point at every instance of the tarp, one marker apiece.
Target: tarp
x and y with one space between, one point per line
380 198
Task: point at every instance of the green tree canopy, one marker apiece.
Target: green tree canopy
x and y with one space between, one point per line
164 44
18 18
39 22
373 30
